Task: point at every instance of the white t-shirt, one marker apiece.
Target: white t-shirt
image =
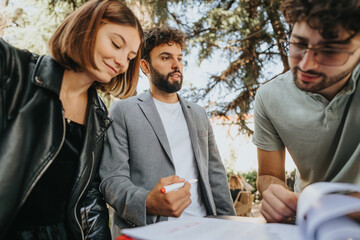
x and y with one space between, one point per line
177 132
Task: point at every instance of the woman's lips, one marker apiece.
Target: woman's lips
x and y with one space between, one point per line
113 71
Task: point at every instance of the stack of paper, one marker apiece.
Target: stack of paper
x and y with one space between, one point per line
213 229
321 215
322 210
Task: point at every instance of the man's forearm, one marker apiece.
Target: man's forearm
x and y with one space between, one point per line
264 181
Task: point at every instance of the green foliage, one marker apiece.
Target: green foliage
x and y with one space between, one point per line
246 34
251 178
73 4
290 179
30 23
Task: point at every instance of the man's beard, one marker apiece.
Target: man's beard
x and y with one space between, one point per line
162 81
324 82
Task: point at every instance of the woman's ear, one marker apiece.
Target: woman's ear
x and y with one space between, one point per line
144 65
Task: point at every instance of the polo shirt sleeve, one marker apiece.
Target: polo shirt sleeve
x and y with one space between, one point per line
265 135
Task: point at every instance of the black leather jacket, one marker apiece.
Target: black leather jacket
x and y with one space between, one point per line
32 132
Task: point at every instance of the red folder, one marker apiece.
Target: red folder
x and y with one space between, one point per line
124 237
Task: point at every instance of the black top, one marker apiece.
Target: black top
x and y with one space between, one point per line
47 203
31 128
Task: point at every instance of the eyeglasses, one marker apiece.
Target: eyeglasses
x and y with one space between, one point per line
323 56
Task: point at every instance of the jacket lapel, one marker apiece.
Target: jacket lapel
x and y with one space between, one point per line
48 74
147 105
96 125
97 121
190 120
206 190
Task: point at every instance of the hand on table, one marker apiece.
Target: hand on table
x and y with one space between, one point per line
355 215
170 204
278 203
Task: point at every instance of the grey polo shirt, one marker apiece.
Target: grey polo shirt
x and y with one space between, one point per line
321 136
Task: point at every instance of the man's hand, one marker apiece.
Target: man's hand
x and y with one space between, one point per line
170 204
355 215
278 204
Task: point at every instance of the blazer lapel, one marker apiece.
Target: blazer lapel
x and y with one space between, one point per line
190 120
206 189
147 105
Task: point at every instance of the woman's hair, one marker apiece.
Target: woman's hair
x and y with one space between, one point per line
324 15
72 45
159 35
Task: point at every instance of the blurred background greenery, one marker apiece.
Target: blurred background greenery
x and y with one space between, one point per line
238 39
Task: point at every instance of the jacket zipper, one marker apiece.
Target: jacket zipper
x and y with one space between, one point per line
47 165
82 192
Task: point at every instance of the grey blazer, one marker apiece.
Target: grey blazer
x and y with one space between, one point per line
137 154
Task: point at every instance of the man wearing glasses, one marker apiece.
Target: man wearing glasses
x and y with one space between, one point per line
314 109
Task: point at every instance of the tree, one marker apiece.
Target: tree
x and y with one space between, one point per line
3 18
248 33
30 23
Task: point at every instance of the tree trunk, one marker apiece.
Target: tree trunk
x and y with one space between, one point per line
279 30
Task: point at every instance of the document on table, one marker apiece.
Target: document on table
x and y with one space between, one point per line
213 229
322 210
321 215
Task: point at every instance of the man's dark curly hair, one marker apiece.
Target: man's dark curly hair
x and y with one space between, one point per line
159 35
324 15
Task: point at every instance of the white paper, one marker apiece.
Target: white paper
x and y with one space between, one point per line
330 206
213 229
321 203
331 230
315 191
320 216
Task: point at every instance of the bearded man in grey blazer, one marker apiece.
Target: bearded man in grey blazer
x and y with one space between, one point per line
158 138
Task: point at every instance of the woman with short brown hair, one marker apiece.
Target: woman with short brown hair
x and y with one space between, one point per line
52 123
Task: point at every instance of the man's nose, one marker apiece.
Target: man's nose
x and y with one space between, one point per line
308 60
175 64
